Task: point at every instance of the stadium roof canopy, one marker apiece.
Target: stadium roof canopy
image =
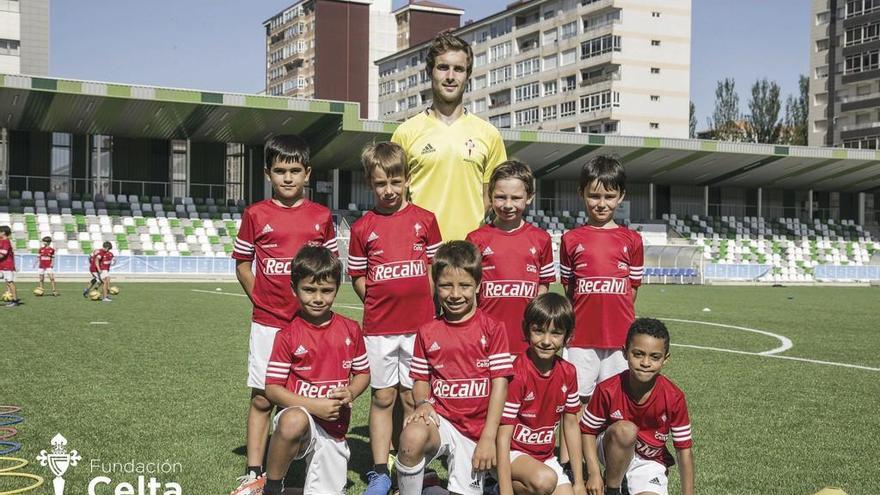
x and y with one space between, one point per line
337 135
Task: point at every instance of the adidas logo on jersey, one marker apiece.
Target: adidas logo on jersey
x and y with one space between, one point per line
373 236
529 396
434 347
488 251
579 249
268 228
428 149
655 481
300 351
616 414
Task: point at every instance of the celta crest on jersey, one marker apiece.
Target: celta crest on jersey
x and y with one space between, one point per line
539 436
466 388
509 288
399 269
601 285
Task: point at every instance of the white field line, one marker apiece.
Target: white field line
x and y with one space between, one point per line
772 353
785 342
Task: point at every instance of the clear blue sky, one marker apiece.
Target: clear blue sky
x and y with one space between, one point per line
220 44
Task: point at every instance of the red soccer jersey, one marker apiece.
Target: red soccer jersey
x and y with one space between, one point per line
311 361
514 263
93 259
273 234
46 255
599 269
665 411
7 256
535 405
106 260
393 252
459 361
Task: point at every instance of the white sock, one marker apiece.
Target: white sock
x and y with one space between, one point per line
410 479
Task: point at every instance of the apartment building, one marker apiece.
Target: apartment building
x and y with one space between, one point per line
325 49
844 107
591 66
24 37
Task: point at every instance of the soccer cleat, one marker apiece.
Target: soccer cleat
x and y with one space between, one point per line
107 299
86 292
377 484
249 485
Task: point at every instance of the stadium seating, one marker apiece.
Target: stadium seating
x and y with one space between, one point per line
792 248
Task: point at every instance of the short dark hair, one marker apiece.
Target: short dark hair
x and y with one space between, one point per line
546 309
6 230
458 254
648 326
448 42
388 156
513 169
107 245
317 262
286 148
605 169
47 239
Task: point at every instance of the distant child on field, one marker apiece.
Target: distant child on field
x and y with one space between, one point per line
517 256
317 369
389 259
46 260
460 369
7 264
630 417
271 234
542 393
99 267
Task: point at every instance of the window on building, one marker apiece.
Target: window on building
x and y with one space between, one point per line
654 125
412 80
500 75
479 82
599 101
854 64
550 36
527 91
548 113
61 159
549 88
412 101
527 116
501 121
550 62
568 57
655 14
567 108
569 83
860 34
528 67
480 59
499 99
478 106
655 98
500 51
655 70
568 30
599 46
655 42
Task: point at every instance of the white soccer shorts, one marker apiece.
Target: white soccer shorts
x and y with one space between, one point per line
7 275
552 463
99 276
390 358
459 452
260 348
45 271
326 459
594 366
642 475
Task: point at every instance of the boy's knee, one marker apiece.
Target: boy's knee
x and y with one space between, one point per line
543 481
261 403
383 398
624 433
413 439
293 424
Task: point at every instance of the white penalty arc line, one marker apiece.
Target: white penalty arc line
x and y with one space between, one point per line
785 342
772 353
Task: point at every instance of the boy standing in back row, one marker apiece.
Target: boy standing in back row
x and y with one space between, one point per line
272 232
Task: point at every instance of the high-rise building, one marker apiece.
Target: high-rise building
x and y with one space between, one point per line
597 66
24 37
325 49
845 74
419 21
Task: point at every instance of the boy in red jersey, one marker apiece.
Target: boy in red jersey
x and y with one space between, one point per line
317 369
94 272
390 250
46 258
517 256
630 417
542 393
272 232
601 266
99 267
7 264
460 369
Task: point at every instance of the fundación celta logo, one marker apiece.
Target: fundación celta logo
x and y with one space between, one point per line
59 460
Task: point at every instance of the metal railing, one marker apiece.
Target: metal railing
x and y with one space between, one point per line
136 187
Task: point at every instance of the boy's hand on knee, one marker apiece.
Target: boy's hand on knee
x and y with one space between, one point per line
484 455
327 409
424 413
343 394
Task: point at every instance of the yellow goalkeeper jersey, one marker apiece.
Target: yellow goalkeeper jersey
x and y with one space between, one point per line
448 165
